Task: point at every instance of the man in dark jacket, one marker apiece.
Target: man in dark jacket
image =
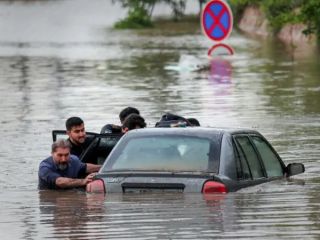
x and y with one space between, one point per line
79 140
133 121
111 128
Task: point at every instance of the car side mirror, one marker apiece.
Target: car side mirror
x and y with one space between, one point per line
294 168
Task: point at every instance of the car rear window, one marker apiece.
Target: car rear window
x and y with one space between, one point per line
161 153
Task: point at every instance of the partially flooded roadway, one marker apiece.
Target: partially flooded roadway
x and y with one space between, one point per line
62 58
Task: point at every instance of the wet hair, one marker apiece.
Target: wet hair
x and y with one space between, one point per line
126 112
169 119
60 143
194 122
133 121
73 121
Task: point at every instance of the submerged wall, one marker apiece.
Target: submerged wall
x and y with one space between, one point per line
254 21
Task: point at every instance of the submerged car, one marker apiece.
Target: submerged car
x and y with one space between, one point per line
192 159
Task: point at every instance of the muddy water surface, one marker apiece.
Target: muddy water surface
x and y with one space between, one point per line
61 58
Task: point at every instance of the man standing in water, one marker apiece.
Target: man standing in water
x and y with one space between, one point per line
78 139
111 128
62 170
133 121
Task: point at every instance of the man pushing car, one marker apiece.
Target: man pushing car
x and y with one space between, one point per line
62 170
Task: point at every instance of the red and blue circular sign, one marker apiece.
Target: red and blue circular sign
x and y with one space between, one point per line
217 20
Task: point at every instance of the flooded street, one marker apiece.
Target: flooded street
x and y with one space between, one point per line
62 58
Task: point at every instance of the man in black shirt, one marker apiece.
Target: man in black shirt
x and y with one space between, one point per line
111 128
78 140
133 121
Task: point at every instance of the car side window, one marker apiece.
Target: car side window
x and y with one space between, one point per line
269 158
251 156
243 171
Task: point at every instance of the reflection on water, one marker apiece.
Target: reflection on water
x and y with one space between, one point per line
50 72
220 71
141 216
69 213
264 212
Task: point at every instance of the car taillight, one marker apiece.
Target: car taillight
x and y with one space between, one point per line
214 187
96 186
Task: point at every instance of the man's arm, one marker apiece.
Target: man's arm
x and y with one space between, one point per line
63 182
91 168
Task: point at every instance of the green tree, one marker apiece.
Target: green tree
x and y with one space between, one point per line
177 6
201 3
140 12
310 15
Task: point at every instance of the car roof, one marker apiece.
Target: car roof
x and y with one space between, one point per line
190 131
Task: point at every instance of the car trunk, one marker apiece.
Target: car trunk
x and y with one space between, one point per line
154 182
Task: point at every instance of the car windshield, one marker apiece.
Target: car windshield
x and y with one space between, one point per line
161 153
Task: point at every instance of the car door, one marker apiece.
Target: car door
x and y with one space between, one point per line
99 148
62 134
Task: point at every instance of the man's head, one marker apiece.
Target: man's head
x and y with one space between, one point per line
60 151
133 121
172 120
75 130
194 122
126 112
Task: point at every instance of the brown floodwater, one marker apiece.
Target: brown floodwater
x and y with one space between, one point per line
62 58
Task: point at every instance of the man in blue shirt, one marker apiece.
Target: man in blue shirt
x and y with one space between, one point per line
62 170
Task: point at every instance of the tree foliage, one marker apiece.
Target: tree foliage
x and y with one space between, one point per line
140 11
310 15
